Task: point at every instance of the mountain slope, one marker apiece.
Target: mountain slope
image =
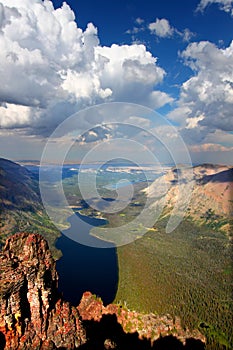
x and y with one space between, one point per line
21 207
211 189
18 188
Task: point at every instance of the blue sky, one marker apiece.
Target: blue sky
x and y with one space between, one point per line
114 19
175 57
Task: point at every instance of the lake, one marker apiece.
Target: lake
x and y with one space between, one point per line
85 268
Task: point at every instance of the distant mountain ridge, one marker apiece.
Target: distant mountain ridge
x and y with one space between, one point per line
211 198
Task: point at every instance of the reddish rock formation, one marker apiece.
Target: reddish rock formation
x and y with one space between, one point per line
33 316
150 326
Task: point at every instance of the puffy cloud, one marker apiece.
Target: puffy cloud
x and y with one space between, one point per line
193 122
161 28
206 99
225 5
130 72
99 133
6 15
10 115
50 68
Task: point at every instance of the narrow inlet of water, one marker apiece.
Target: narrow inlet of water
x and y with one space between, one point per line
85 268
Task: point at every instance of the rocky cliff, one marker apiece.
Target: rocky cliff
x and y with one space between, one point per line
34 316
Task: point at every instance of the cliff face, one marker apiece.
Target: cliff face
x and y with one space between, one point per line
148 327
33 316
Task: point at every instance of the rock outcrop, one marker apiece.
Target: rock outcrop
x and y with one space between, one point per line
147 326
34 316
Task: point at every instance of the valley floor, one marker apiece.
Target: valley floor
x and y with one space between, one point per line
186 273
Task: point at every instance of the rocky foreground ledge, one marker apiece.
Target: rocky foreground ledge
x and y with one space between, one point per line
34 316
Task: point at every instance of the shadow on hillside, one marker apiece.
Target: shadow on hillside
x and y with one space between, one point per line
108 334
222 176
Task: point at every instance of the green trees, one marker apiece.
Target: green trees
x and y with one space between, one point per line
184 274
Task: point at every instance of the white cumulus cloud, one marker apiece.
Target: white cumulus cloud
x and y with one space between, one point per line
161 27
50 68
206 99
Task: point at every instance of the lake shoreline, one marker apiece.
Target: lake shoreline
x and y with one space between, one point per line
86 267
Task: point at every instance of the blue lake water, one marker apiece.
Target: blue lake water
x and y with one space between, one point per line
84 268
